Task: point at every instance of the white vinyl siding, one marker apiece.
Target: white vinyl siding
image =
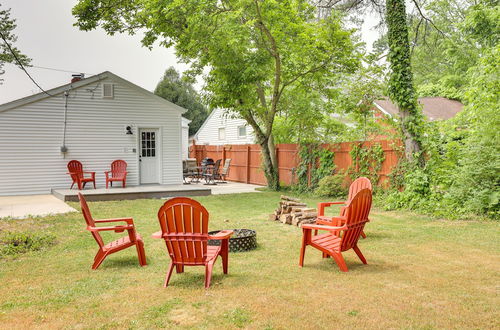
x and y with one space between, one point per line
31 136
209 131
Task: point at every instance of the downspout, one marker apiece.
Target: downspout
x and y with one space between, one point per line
63 147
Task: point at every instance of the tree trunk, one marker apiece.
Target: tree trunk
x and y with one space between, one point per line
401 89
270 163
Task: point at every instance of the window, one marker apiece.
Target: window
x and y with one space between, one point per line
107 91
222 133
242 131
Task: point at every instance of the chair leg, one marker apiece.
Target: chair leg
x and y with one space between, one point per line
141 253
303 248
225 255
98 259
179 268
360 255
169 273
208 274
107 183
363 234
94 183
72 185
124 183
339 259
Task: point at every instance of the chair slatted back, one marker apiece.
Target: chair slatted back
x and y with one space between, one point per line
356 212
89 220
118 168
225 169
184 225
76 168
217 167
357 185
191 165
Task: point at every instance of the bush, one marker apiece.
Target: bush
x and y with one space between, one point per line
332 186
13 243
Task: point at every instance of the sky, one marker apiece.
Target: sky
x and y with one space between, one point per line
46 34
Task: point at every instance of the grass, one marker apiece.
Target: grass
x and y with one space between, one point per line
422 273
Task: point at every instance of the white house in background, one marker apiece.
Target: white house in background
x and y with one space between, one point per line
221 128
94 120
185 138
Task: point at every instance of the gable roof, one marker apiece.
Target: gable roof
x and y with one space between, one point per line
210 115
434 108
83 82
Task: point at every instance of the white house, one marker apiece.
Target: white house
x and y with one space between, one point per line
185 138
94 120
223 128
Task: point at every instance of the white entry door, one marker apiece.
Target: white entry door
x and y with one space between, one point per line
149 156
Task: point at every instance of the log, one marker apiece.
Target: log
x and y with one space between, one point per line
286 218
310 214
287 198
293 204
272 217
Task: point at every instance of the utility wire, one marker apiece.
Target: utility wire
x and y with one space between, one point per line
61 70
21 65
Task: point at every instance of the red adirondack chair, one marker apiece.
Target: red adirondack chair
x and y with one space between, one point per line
184 227
132 239
118 173
343 237
356 186
75 170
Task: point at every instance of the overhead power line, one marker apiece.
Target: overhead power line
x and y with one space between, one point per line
21 64
60 70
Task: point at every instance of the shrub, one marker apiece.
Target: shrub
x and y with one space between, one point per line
13 243
332 186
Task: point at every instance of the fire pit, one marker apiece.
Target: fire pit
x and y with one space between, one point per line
242 240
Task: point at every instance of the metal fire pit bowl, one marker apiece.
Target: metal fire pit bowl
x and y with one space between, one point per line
241 240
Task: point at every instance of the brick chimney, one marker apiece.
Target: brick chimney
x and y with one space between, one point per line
77 77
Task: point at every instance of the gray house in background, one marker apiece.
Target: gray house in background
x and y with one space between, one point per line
94 120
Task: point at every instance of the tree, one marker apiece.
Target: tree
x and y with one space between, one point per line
252 51
176 90
401 89
7 39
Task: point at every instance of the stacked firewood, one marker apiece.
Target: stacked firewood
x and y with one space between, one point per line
292 211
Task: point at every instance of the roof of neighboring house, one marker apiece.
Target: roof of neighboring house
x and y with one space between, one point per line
83 82
434 108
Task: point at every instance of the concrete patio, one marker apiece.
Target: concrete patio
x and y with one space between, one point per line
19 207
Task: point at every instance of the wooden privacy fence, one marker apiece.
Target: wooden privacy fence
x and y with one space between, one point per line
246 165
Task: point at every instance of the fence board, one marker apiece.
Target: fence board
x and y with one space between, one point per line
246 164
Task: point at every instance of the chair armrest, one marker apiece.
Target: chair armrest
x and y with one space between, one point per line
129 221
117 229
321 206
335 221
323 227
223 234
157 235
89 172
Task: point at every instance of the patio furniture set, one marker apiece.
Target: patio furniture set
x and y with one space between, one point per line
208 170
184 228
118 172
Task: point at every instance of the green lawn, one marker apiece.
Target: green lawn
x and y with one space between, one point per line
421 273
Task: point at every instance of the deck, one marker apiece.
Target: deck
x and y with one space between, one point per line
136 192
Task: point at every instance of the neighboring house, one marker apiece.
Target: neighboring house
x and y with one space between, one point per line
221 128
94 120
433 108
185 138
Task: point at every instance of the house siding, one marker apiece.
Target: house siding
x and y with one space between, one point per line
209 132
31 136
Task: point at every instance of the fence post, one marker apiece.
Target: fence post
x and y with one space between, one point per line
277 149
223 155
248 165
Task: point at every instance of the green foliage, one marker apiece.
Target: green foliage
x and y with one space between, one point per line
461 178
332 186
15 243
174 88
7 26
316 162
366 161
